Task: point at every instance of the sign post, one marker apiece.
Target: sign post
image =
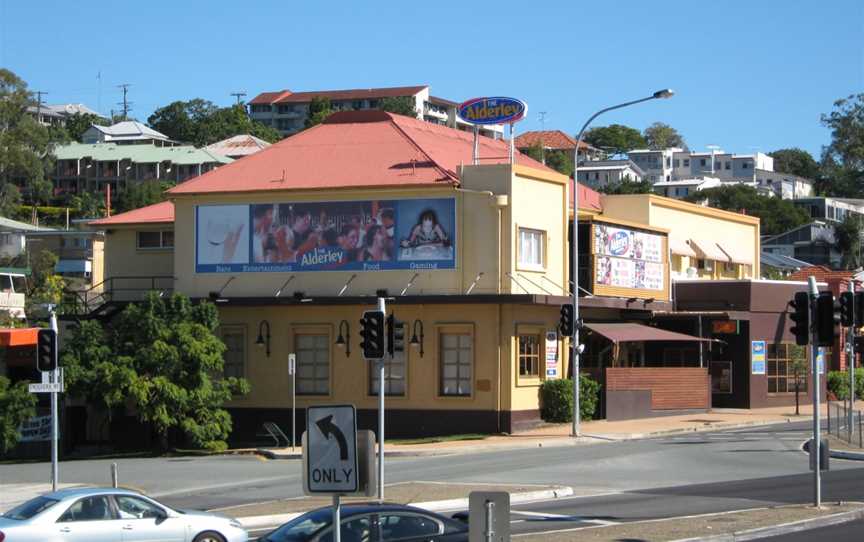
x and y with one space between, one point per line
382 306
814 357
292 372
850 361
52 382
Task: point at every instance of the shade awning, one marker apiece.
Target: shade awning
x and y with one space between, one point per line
679 247
736 254
709 250
19 336
628 332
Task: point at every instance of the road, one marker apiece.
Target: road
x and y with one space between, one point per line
616 482
846 532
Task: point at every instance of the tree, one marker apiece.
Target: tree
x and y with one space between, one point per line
847 241
628 186
661 136
160 357
400 105
319 109
88 204
25 145
79 123
843 159
776 215
142 194
560 162
181 121
231 121
796 162
615 138
17 405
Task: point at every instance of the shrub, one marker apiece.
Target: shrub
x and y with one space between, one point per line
556 399
838 384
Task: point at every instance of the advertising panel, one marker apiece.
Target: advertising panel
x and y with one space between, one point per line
494 110
326 236
628 258
757 357
551 354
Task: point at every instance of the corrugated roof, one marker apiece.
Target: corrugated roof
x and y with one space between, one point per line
239 145
159 213
130 129
550 139
356 149
781 261
350 94
9 225
142 154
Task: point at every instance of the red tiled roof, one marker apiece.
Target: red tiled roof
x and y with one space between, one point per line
821 273
588 199
351 94
269 97
354 149
550 139
159 213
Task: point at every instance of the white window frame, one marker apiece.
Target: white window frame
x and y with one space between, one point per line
315 364
539 237
240 330
162 241
461 363
395 385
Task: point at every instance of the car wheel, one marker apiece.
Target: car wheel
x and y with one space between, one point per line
209 536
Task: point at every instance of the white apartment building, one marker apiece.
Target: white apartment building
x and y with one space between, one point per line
287 111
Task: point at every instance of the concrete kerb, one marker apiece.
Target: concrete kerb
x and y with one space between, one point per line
261 522
782 529
836 454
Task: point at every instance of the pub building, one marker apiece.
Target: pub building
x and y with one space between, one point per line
293 243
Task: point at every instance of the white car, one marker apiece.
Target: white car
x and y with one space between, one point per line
112 515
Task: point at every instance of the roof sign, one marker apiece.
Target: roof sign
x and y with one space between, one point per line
497 110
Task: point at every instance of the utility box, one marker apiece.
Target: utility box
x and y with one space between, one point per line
824 455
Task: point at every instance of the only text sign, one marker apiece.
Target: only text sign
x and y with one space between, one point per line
331 450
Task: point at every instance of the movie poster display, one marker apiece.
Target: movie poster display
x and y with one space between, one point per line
628 259
326 236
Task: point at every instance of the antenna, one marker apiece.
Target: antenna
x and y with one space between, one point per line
239 94
127 105
542 115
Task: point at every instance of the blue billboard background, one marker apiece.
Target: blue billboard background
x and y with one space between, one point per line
369 235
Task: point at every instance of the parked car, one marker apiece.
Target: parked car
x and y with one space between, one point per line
112 515
371 523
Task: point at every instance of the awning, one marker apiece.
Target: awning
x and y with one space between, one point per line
736 253
18 336
680 247
709 250
628 332
73 266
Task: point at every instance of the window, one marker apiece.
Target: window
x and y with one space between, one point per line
394 376
529 355
531 248
136 508
729 267
150 240
701 264
596 175
88 509
313 363
781 368
745 165
727 165
456 361
354 529
234 338
407 526
686 162
702 162
677 162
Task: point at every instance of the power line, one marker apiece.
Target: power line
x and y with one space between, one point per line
126 104
238 95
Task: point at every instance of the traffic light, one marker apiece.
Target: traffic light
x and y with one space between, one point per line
372 334
847 309
859 309
801 317
46 350
565 323
395 335
827 319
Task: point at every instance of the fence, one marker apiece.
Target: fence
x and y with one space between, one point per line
838 423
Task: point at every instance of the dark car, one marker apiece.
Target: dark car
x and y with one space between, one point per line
372 523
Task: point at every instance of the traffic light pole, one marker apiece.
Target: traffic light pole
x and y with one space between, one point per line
382 306
814 353
850 361
55 374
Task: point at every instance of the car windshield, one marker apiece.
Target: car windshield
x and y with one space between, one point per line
30 508
301 528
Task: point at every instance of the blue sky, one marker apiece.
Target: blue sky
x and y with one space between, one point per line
749 75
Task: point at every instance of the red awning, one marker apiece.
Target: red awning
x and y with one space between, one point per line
18 336
628 332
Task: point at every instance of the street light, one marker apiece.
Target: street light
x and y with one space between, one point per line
576 352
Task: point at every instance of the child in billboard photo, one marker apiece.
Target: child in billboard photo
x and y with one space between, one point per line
427 233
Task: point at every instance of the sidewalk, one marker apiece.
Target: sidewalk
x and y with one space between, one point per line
593 432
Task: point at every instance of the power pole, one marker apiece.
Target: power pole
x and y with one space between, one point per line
126 104
238 95
39 94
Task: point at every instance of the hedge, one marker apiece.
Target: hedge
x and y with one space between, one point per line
838 384
556 399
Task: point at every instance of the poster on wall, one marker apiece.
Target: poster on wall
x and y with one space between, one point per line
820 360
627 258
326 236
36 429
552 354
757 357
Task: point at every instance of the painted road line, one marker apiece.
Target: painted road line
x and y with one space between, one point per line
545 515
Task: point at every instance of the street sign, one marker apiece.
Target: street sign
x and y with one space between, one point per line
292 362
330 451
56 387
489 516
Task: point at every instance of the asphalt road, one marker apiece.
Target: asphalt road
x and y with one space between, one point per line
616 482
846 532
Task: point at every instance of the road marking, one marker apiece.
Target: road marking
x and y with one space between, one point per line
546 515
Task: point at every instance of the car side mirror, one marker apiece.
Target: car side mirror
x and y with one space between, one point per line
160 515
460 516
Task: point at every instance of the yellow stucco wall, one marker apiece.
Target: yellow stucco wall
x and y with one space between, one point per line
124 259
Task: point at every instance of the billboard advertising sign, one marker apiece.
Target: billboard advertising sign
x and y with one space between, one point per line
371 235
496 110
628 258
